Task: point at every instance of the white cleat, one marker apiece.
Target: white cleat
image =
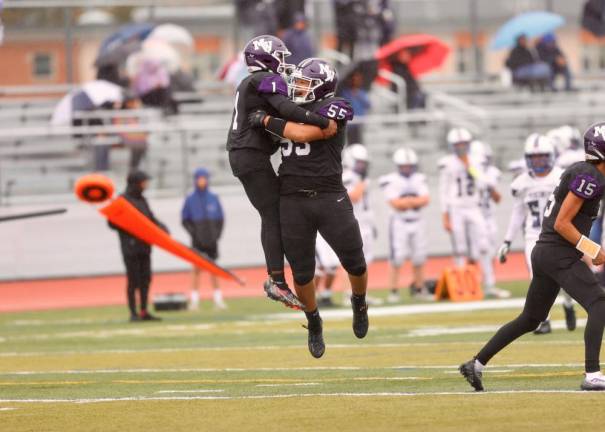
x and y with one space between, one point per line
495 292
394 297
596 383
373 301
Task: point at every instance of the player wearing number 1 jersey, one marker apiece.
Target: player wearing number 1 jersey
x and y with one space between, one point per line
314 199
556 262
530 193
250 148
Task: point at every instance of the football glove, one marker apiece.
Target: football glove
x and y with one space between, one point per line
257 119
503 251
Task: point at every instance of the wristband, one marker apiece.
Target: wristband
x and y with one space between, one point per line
276 126
588 247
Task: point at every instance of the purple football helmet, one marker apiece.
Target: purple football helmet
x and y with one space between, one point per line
594 142
267 52
313 79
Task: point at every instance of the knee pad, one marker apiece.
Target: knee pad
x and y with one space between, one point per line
303 277
354 262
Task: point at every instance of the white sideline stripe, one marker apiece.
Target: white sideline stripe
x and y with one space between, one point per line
292 384
7 409
277 369
266 348
191 391
302 395
441 331
383 311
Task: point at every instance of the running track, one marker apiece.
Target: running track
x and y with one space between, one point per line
110 290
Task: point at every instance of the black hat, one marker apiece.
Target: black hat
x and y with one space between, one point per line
137 176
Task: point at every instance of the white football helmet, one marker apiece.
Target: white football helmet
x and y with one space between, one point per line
405 156
459 139
539 154
356 158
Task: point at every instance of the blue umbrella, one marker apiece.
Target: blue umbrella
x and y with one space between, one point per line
121 40
530 24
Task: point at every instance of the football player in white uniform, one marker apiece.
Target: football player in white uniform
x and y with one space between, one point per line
488 193
531 191
326 267
460 181
356 162
406 192
568 144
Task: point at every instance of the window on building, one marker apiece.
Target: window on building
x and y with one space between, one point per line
42 65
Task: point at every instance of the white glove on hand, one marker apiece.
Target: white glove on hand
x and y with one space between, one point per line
503 251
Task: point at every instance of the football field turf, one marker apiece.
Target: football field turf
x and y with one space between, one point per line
248 368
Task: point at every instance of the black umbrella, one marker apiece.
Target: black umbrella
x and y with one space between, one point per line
593 17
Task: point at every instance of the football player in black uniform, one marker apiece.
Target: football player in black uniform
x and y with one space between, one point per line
313 198
557 262
250 149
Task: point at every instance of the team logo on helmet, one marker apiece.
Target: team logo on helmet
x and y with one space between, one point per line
265 45
599 130
327 71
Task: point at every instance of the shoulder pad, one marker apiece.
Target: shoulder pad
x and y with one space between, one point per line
336 109
585 186
518 184
443 162
273 84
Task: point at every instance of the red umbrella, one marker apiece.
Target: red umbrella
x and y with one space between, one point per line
428 52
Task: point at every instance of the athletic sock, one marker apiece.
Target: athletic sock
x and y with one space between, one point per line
479 366
313 319
359 300
278 277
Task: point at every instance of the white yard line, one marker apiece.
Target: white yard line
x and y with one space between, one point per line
441 331
191 391
311 384
287 396
7 409
281 369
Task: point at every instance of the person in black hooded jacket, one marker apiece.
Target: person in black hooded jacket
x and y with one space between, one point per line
136 253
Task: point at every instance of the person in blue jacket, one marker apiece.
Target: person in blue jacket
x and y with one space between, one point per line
202 217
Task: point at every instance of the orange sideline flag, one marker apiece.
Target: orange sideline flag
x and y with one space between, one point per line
124 215
459 284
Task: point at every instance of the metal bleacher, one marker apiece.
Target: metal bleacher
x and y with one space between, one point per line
37 159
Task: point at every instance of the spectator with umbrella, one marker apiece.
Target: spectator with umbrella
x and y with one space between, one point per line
593 17
353 90
526 66
75 108
550 53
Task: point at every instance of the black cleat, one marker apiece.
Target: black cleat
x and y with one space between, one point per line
360 318
316 344
543 328
281 293
472 375
135 318
570 317
146 316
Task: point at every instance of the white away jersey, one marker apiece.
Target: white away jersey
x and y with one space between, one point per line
361 208
570 157
458 185
531 195
394 186
492 178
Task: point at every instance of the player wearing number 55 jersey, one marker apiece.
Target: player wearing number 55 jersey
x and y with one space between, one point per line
250 148
314 199
530 193
556 262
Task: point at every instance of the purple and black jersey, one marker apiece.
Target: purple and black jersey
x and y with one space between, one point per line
584 180
265 91
317 165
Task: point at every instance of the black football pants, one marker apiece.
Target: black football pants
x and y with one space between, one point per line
555 267
138 272
262 189
330 214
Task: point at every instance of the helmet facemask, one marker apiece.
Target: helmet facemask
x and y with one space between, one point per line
407 170
539 163
302 88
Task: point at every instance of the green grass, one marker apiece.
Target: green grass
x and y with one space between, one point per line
244 369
